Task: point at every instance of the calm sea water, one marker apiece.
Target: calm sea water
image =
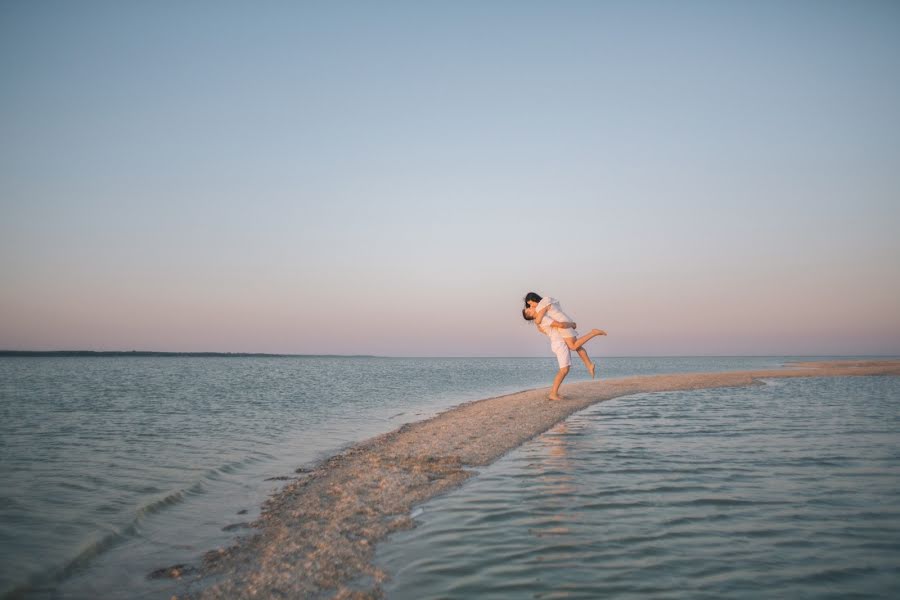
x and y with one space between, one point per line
789 490
112 467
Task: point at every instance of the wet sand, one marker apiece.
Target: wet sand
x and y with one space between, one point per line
316 536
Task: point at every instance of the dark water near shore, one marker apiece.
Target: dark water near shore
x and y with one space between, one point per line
789 490
112 467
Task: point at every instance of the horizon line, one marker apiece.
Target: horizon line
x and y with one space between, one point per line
211 354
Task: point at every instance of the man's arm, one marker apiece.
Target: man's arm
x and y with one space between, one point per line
563 325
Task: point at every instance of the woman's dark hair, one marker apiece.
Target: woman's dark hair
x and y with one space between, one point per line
526 316
531 296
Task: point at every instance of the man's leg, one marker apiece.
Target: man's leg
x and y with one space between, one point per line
557 381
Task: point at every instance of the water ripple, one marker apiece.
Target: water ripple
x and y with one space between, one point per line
771 491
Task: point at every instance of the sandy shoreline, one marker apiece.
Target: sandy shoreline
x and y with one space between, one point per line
316 536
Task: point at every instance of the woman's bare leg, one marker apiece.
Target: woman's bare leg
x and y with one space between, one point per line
576 345
582 353
560 375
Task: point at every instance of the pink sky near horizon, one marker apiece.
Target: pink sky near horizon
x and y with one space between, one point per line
643 317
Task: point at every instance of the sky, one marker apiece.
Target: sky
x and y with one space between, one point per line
696 178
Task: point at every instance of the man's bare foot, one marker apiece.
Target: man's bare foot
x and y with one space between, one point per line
591 368
554 397
598 332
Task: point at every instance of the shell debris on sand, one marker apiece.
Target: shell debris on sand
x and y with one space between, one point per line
316 536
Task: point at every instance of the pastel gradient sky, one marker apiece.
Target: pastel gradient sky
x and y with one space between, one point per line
392 177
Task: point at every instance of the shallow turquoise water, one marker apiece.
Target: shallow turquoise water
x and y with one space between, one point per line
113 467
788 490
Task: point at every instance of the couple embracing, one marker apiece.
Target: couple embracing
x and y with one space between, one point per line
558 326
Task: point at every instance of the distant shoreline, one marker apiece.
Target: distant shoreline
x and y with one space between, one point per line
145 353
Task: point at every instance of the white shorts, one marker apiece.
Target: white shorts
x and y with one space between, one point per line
567 333
562 352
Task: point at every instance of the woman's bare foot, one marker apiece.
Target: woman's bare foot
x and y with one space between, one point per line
554 397
591 368
598 332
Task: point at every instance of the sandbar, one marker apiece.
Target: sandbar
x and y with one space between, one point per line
316 536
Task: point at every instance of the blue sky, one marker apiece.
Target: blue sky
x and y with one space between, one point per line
391 178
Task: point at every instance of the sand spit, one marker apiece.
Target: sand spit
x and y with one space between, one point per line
316 536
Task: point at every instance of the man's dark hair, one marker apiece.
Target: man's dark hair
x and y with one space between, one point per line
525 315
